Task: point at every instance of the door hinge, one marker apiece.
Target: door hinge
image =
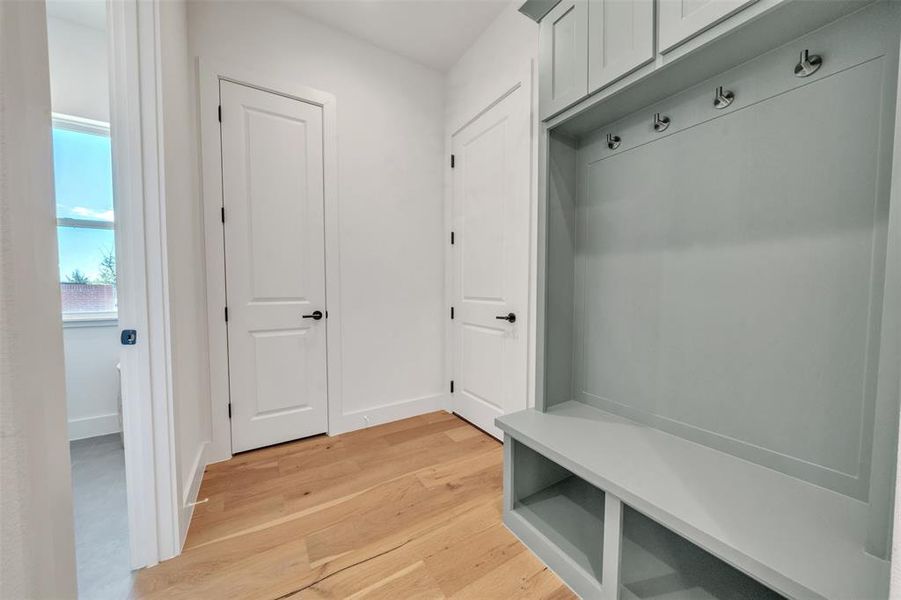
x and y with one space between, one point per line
222 214
452 312
452 386
220 113
226 314
452 238
453 161
229 410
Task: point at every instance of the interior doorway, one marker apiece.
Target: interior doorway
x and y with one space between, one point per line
77 35
491 212
103 61
274 231
283 294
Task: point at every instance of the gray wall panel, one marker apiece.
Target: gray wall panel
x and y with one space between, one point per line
732 279
561 235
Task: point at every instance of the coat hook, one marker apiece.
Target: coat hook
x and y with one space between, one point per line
613 141
660 123
809 64
722 98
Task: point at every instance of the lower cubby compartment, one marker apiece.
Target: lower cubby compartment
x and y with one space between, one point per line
563 508
800 540
571 515
658 564
563 519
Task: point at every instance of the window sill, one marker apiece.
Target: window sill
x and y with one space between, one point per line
102 320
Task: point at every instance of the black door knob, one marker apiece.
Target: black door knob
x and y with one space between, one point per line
509 317
317 314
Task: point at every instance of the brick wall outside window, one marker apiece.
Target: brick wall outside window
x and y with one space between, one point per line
85 297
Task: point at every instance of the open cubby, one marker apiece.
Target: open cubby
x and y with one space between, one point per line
717 330
657 564
564 508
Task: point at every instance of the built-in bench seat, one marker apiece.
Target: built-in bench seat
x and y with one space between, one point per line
801 540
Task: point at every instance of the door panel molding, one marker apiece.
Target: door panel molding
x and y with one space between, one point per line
210 73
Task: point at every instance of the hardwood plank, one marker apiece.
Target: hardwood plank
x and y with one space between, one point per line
461 433
457 566
523 576
394 575
410 509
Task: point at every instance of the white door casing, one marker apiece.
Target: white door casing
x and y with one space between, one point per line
272 183
491 216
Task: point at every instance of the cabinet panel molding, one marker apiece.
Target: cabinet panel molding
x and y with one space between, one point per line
563 57
620 39
681 20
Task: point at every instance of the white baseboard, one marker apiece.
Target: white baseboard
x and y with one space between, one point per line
386 413
190 495
88 427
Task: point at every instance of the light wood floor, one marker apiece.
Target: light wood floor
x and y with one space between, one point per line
410 509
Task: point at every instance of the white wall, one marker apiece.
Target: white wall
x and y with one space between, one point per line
390 142
37 542
497 57
185 251
92 380
79 77
79 87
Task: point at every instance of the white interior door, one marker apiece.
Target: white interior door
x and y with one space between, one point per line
272 185
491 262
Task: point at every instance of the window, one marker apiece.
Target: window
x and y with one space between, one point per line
82 165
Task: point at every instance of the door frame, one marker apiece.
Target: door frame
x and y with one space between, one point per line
525 78
210 73
136 133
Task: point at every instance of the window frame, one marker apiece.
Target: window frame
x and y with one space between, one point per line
92 127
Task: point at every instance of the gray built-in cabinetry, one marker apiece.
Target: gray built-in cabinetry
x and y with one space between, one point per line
586 45
719 307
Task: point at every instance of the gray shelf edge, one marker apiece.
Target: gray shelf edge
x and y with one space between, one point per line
537 9
732 556
551 555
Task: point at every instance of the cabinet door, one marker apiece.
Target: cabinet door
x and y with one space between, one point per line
563 57
684 19
620 39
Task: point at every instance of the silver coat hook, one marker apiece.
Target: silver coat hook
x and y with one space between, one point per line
613 141
809 64
660 123
723 98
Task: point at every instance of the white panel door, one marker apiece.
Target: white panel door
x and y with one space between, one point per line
272 185
620 39
681 20
491 262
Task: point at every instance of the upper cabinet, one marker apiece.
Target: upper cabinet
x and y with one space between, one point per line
587 44
563 56
620 39
683 19
590 45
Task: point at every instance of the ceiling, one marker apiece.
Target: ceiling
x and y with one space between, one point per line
90 13
434 33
